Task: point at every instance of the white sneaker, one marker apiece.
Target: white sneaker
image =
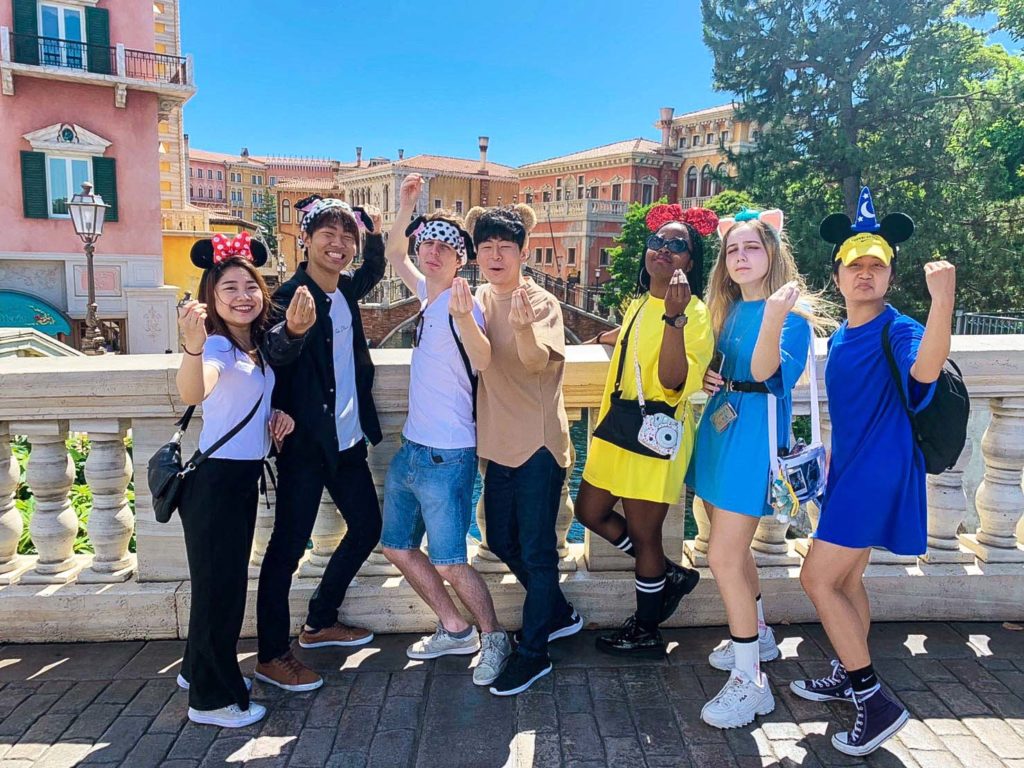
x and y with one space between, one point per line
228 717
495 649
441 643
724 656
739 702
185 685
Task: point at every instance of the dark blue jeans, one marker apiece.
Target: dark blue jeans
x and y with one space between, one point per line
520 507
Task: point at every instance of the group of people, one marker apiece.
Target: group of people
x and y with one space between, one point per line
486 389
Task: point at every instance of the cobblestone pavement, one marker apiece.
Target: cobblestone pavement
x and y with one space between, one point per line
117 703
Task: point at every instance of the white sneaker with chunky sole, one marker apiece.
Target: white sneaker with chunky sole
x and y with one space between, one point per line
739 702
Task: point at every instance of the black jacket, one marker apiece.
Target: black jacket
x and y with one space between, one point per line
305 388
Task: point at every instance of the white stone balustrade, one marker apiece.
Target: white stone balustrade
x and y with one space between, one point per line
147 595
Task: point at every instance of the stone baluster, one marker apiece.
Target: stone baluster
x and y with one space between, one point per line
54 525
11 525
696 550
264 526
947 507
108 471
1000 498
391 424
328 531
770 545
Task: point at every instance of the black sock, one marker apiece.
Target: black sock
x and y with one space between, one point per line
863 680
624 544
649 593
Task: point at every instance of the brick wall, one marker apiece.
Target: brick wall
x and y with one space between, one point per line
379 322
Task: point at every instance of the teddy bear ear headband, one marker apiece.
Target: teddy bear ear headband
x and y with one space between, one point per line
425 229
210 252
773 218
314 205
867 236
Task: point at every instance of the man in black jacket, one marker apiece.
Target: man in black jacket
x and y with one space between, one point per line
328 393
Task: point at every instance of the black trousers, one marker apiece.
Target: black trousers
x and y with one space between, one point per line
302 475
218 515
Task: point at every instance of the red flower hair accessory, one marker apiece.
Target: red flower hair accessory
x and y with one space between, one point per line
701 219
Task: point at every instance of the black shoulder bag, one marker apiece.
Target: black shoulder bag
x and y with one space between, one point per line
165 472
465 361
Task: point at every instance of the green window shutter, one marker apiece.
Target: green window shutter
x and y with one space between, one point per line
104 179
33 185
97 37
26 32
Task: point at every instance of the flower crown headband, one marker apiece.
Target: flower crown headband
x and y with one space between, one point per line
701 219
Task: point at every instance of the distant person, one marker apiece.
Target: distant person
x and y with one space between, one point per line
227 345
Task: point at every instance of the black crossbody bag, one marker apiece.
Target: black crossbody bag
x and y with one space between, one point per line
165 472
621 424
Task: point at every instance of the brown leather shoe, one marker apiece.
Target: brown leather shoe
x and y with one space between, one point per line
288 673
339 634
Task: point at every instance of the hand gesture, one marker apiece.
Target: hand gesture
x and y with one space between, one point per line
409 192
461 302
678 294
781 302
192 322
940 276
375 216
713 382
301 312
281 425
521 316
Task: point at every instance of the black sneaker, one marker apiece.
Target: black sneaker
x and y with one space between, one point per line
519 674
633 640
679 582
878 718
834 687
569 626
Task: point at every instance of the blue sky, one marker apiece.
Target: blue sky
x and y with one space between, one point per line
539 78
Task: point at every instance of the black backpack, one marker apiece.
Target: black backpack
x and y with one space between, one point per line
940 429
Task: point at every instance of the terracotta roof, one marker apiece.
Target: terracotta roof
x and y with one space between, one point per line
220 157
443 164
607 150
328 185
688 116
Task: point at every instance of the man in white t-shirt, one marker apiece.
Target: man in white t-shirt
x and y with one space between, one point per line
429 486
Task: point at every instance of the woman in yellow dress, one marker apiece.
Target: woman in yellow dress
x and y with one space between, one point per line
645 430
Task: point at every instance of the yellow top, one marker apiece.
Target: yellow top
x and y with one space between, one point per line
629 475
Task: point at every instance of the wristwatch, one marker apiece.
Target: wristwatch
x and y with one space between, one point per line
676 321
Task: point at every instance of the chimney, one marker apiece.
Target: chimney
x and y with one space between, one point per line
401 154
245 151
484 141
359 157
666 126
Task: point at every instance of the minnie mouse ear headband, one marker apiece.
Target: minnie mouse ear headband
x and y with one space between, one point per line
444 232
511 222
867 236
701 219
314 205
772 218
210 252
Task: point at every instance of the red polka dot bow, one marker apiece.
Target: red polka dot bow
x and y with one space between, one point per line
225 247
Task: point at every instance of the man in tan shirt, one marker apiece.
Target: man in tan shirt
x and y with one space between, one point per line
522 431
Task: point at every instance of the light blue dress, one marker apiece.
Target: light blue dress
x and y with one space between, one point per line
729 469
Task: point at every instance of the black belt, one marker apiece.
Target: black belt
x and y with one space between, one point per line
745 386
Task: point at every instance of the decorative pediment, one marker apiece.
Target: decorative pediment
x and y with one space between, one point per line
67 138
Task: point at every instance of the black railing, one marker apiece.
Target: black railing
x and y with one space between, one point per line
972 323
575 295
100 59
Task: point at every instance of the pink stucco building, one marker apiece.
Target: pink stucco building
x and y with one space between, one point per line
86 85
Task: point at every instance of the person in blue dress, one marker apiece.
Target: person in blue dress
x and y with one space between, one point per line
763 317
875 492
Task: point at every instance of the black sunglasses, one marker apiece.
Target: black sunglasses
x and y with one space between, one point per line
675 245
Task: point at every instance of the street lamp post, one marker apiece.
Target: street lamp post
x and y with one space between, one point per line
88 212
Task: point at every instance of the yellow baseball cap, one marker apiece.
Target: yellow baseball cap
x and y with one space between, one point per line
864 244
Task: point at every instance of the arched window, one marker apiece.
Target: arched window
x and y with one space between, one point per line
705 181
721 172
286 212
691 181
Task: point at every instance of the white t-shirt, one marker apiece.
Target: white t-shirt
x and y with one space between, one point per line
346 401
240 385
440 394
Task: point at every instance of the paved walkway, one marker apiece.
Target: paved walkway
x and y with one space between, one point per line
116 703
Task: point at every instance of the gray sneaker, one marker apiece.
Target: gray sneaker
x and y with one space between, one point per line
494 652
441 643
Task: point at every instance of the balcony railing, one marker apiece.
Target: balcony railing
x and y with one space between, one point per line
572 209
582 297
115 593
387 292
127 63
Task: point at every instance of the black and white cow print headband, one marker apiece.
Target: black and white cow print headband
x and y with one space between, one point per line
312 206
445 232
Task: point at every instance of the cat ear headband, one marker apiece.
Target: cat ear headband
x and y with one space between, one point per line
772 218
867 236
445 232
211 251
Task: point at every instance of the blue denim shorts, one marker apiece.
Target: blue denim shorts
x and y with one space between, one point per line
430 490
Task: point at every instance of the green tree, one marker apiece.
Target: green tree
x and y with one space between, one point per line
266 219
624 259
730 202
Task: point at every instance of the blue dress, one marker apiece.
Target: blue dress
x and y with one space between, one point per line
729 469
875 495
